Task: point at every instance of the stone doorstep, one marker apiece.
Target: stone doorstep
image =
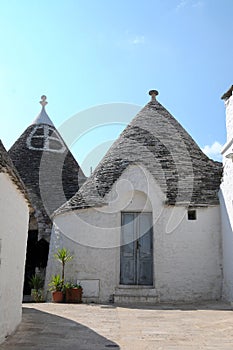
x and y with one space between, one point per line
135 295
132 299
136 291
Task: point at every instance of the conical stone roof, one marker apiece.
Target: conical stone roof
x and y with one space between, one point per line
47 168
155 140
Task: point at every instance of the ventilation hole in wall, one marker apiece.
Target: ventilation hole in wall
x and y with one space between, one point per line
192 214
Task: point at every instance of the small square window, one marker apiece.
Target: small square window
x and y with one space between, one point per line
192 214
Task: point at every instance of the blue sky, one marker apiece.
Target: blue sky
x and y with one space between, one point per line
87 53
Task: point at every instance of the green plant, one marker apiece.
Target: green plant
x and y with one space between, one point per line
56 284
36 282
70 285
37 295
63 255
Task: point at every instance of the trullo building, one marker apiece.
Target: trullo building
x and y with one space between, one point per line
51 176
145 227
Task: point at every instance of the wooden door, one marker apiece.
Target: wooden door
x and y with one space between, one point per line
136 265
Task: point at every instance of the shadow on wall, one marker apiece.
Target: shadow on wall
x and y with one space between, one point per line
41 330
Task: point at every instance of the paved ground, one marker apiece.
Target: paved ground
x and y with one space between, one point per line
101 327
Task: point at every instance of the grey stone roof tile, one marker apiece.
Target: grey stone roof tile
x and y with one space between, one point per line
47 168
158 142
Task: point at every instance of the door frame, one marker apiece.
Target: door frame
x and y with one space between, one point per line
136 286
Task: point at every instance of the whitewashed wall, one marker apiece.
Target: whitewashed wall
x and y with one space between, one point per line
226 200
229 118
13 239
187 254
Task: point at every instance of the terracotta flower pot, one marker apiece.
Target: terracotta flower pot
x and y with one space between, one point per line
74 295
58 297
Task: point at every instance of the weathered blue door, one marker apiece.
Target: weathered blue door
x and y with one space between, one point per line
136 249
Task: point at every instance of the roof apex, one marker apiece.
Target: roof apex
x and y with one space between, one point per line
43 117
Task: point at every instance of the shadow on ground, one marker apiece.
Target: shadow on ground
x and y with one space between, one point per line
41 330
211 305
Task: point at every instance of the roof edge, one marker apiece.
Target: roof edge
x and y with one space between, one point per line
10 169
227 94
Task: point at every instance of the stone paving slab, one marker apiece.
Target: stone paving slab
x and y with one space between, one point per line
52 326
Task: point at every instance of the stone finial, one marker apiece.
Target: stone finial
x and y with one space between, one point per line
43 101
153 94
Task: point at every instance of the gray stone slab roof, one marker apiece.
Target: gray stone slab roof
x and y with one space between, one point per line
155 140
6 166
47 168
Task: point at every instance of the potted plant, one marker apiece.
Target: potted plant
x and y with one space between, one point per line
36 282
73 292
57 288
63 255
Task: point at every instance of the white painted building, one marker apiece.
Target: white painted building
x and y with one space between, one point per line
145 227
14 216
226 199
